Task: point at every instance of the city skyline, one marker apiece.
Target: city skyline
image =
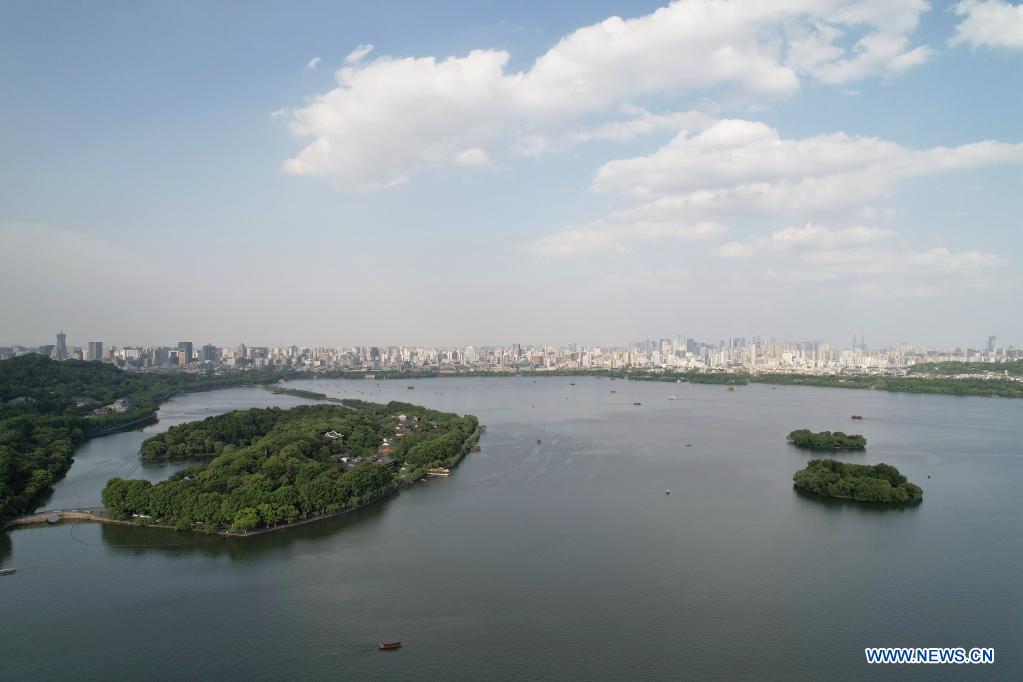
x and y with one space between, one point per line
988 341
442 173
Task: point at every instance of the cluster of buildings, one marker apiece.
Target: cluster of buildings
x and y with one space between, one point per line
745 354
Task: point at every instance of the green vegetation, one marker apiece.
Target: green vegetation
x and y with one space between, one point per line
298 393
47 409
924 383
826 440
860 482
273 466
1014 368
1005 388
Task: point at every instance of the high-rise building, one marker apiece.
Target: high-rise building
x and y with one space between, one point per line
184 352
95 350
992 343
209 353
60 350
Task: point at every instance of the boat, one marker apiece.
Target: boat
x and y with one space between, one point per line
387 646
689 445
672 397
856 416
637 403
667 492
439 471
410 387
7 571
572 384
538 441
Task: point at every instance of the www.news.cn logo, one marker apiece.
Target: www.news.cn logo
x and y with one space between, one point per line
934 654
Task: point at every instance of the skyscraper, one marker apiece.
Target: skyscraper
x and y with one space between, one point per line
95 350
209 353
61 349
992 343
184 352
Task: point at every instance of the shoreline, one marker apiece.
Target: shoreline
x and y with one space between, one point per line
98 514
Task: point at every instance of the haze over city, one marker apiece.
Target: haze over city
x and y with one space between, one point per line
492 173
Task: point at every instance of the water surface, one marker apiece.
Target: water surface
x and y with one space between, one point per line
563 558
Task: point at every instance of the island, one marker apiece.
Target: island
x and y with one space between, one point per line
859 482
50 408
264 468
826 440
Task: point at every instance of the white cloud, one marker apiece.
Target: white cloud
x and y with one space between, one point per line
618 235
738 170
356 55
943 259
989 23
735 250
750 159
472 157
392 117
313 63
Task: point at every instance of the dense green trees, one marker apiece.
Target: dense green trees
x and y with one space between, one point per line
275 466
826 440
860 482
46 411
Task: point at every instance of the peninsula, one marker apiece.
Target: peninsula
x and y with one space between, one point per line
826 440
268 467
50 408
859 482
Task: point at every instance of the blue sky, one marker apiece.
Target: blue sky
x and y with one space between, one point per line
502 172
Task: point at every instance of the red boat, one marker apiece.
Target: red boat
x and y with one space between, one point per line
386 646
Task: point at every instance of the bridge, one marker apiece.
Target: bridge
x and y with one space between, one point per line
95 514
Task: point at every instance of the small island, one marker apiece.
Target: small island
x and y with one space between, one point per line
268 467
826 440
859 482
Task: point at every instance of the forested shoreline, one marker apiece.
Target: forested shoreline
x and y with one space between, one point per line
272 466
48 409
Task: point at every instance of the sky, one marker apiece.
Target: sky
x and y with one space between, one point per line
450 173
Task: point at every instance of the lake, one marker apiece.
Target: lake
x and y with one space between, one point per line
555 553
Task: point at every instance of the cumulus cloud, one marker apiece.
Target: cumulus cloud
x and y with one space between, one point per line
736 159
989 23
618 235
313 63
738 170
735 250
392 117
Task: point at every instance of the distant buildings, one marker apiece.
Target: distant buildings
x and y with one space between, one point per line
679 354
184 352
60 350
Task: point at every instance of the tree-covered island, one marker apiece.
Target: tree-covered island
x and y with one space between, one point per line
826 440
272 466
859 482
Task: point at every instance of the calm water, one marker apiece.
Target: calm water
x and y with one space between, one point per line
563 559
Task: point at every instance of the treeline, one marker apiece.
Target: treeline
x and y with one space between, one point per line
1014 368
297 392
860 482
961 387
275 466
826 440
46 413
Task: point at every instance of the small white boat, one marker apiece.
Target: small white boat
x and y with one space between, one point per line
7 571
667 492
672 397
